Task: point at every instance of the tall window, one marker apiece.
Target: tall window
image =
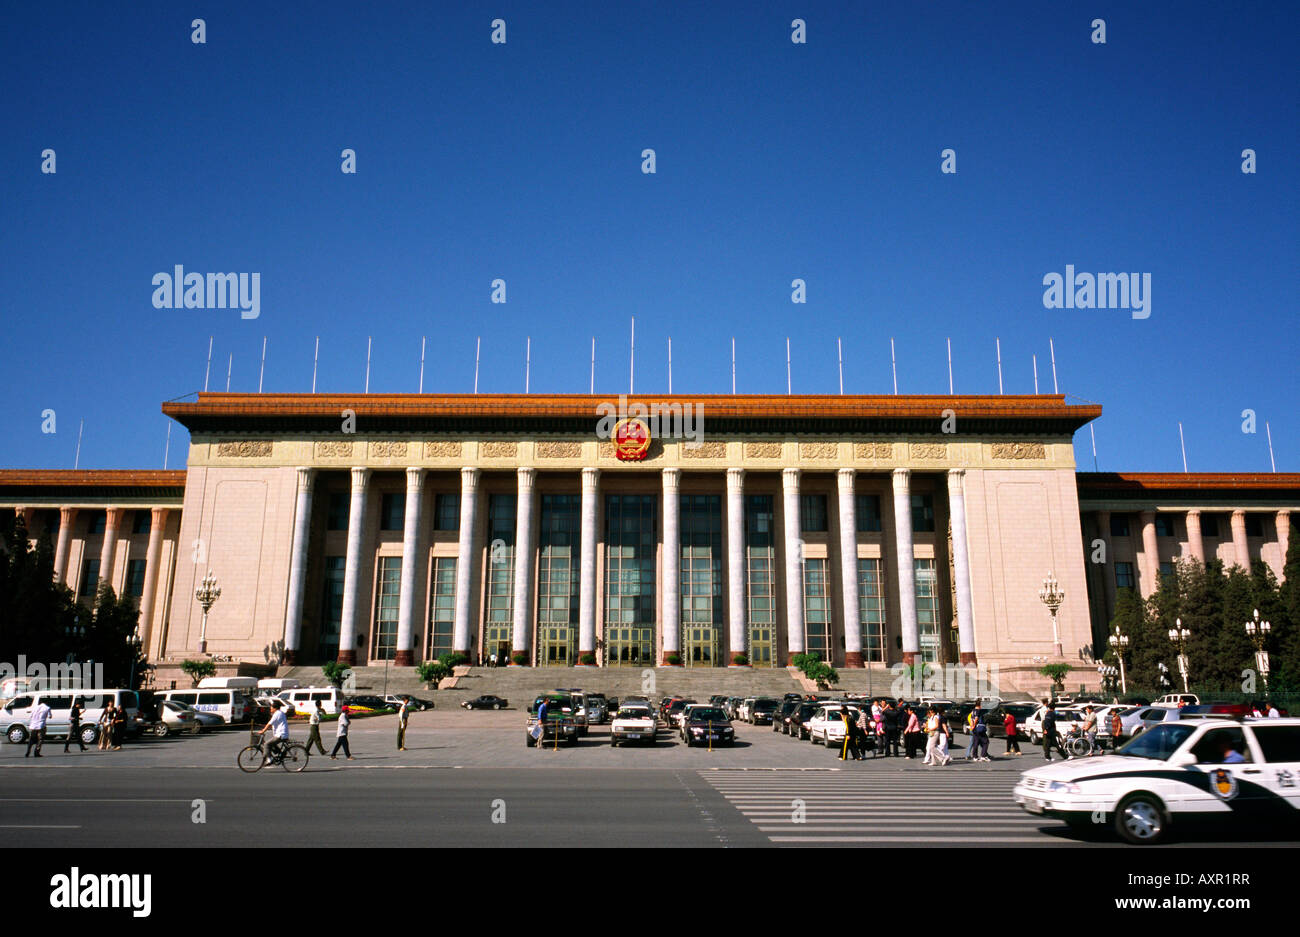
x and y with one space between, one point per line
559 540
141 521
701 579
871 609
762 599
446 514
135 578
923 514
337 508
331 616
1119 525
1124 576
387 594
868 514
98 521
816 609
1209 525
501 573
392 511
1254 525
812 513
1165 525
927 610
629 579
89 579
442 607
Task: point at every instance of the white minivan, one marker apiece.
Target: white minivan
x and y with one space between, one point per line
18 712
230 705
303 699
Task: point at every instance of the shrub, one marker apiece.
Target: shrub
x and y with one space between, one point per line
1056 673
196 670
519 658
452 660
335 672
432 671
587 658
740 659
673 659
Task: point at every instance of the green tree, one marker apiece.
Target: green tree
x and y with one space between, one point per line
37 615
1057 674
335 672
111 638
196 670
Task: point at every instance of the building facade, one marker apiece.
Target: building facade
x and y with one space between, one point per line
724 530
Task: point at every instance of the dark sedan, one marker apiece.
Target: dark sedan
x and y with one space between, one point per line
369 704
797 721
707 725
485 702
780 718
763 710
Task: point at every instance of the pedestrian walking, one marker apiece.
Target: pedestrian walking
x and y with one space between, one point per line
313 728
36 727
342 732
1272 711
912 734
74 726
945 738
931 737
1050 740
403 714
971 718
1090 730
106 727
1013 740
890 717
119 728
980 737
1116 727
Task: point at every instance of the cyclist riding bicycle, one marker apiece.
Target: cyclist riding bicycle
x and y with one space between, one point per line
279 726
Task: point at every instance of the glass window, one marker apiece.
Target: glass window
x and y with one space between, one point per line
446 515
1254 525
135 578
760 594
213 699
1119 525
338 507
1222 746
388 590
331 607
501 573
817 612
927 610
923 514
1165 525
1278 743
868 514
442 607
630 579
1124 576
559 543
700 528
392 511
98 520
1209 525
89 579
871 609
812 513
141 522
1166 569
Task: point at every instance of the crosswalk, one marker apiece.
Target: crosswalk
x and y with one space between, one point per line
828 807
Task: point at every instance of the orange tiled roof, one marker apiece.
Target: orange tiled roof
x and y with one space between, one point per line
92 478
1206 481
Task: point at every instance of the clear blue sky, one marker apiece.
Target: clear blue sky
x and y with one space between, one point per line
775 161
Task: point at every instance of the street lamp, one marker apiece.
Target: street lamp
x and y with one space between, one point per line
1052 595
1108 675
1179 635
1119 644
207 594
1258 632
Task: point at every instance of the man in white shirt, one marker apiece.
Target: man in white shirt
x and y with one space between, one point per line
313 732
1272 713
36 727
279 726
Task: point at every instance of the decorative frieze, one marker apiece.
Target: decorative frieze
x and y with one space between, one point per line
334 449
498 450
873 450
706 450
388 450
929 450
762 450
553 449
1019 450
244 448
817 450
442 449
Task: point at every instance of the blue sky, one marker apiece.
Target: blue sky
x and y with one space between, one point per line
775 161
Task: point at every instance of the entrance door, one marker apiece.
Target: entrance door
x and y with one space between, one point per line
760 645
629 647
701 646
556 646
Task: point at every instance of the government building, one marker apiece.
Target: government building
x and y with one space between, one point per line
705 531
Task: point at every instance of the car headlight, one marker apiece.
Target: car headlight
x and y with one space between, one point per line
1063 787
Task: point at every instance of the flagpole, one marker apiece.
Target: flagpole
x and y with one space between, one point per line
478 344
1093 434
733 364
167 448
369 342
950 390
528 360
593 365
631 362
314 360
839 354
262 373
1053 348
209 368
670 364
1035 374
999 341
229 363
787 364
1182 445
76 463
893 364
1270 445
422 363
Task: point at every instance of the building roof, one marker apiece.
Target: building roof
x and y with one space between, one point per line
1137 482
724 413
90 484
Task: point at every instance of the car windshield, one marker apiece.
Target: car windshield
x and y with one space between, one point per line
634 714
766 705
1158 742
708 714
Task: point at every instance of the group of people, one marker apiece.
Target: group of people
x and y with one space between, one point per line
278 726
881 727
112 727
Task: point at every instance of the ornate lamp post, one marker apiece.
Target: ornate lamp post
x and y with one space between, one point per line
207 594
1052 595
1119 644
1179 635
1108 675
1258 632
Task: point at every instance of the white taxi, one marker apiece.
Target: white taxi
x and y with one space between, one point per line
1175 774
826 725
633 724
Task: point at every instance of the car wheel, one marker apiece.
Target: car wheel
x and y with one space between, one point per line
1140 819
16 734
613 743
529 741
160 730
89 734
1034 739
501 706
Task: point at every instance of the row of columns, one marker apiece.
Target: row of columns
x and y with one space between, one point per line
525 534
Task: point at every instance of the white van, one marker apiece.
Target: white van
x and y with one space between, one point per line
230 705
303 699
247 684
275 686
18 712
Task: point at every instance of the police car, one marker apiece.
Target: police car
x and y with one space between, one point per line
1195 769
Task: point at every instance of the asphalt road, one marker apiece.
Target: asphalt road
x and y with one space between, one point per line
467 779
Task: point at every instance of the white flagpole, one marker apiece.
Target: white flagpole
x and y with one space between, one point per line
478 345
593 365
314 360
1182 445
631 362
369 341
950 390
422 363
262 373
1035 374
1093 433
76 463
167 448
999 341
733 364
528 360
1053 348
229 363
209 369
787 364
670 364
1270 445
839 354
893 364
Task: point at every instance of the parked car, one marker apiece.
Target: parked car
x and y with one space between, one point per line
633 724
363 704
1178 699
797 722
706 725
763 710
232 705
412 702
781 716
995 719
559 720
674 713
485 702
17 712
176 717
827 724
1066 721
742 711
598 709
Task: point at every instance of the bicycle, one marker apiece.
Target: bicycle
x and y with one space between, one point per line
291 756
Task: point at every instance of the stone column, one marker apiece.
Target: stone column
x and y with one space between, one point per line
403 656
904 565
153 554
736 573
1240 544
465 559
848 516
108 551
1108 567
298 567
352 611
794 628
1283 523
961 566
1150 555
587 563
521 640
672 616
67 517
1195 544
